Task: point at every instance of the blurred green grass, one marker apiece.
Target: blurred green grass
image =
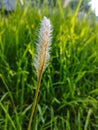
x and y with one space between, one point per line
68 98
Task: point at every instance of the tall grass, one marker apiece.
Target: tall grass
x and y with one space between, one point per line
68 98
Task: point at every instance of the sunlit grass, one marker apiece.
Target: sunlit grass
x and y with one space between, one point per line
68 98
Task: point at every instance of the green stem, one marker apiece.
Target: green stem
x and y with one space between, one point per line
35 101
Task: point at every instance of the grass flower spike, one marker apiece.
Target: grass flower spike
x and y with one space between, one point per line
43 46
41 58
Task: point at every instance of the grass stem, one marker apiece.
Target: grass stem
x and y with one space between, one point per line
35 101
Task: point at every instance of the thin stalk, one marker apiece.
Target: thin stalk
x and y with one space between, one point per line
35 101
41 59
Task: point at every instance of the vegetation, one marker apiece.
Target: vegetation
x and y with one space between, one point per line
85 6
68 96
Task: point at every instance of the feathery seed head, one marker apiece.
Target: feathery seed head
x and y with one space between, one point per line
43 46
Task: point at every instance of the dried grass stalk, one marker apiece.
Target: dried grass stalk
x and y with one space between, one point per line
41 58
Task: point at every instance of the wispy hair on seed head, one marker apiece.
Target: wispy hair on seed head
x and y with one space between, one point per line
43 46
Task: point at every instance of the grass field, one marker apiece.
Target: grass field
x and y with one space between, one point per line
68 97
